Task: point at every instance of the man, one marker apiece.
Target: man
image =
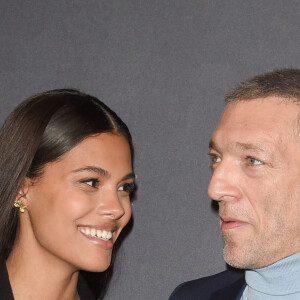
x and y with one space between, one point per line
255 154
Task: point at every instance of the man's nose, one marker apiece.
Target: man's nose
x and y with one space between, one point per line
224 183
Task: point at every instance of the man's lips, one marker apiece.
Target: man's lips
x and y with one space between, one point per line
228 223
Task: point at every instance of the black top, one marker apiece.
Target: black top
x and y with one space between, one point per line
6 292
5 288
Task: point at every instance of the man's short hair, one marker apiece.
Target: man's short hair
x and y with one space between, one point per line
284 83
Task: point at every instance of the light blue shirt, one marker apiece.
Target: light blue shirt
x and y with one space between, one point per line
280 281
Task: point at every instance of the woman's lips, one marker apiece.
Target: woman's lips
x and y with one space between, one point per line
97 236
97 233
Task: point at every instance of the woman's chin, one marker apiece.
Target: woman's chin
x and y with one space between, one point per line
96 267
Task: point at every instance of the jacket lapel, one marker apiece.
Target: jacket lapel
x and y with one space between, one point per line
231 292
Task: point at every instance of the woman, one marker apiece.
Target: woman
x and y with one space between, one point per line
65 183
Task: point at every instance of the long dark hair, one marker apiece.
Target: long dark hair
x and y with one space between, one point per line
39 131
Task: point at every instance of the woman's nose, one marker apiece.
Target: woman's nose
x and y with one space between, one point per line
110 205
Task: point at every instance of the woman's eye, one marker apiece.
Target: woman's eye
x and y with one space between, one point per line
127 187
254 162
91 182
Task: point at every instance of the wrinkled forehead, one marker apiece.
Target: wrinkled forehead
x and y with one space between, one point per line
258 120
262 113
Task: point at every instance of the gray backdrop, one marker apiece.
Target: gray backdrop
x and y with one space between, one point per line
165 67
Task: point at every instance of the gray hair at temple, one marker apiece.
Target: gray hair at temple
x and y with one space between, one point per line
283 83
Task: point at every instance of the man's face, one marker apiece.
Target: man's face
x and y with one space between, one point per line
255 153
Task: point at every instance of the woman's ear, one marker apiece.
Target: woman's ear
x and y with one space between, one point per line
22 197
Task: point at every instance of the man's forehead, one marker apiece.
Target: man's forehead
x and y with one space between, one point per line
255 124
263 112
265 103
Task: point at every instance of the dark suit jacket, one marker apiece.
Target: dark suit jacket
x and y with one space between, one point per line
228 285
6 291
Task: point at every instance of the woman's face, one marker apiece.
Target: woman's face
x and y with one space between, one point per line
81 203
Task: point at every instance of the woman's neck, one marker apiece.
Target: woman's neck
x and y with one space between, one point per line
37 275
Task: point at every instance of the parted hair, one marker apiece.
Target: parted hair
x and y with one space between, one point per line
38 131
284 83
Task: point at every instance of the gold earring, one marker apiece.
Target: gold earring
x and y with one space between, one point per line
18 203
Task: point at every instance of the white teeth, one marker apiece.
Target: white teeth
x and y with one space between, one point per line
96 233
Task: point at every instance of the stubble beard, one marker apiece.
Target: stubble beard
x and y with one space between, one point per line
251 253
243 256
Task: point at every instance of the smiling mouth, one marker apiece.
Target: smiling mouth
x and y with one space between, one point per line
96 233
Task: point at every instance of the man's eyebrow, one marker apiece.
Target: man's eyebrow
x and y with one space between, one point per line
212 145
239 146
98 170
249 146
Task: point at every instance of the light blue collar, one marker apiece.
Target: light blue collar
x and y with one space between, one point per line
280 280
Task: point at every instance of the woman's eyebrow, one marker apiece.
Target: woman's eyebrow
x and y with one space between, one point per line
102 172
95 169
129 176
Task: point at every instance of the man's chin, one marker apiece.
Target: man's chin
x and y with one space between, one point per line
235 264
236 258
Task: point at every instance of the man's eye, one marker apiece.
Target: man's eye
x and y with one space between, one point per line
91 182
254 162
127 187
214 158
